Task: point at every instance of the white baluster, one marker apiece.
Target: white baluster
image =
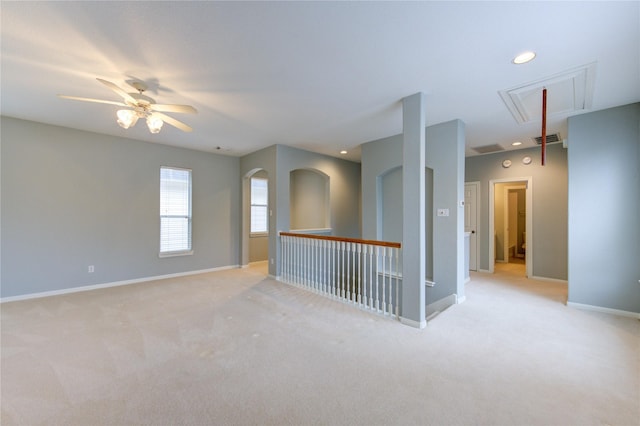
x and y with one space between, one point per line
309 263
322 269
353 283
329 267
284 257
294 254
337 267
314 265
363 297
359 270
290 259
378 275
371 269
340 269
390 281
348 282
342 253
299 278
385 278
397 304
317 256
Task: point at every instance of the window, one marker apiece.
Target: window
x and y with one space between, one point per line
259 206
175 211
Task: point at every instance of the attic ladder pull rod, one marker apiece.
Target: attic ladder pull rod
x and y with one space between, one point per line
544 125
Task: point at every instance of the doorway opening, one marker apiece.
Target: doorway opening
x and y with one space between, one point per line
511 225
255 223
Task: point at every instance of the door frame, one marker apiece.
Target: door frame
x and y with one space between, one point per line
476 184
507 234
528 181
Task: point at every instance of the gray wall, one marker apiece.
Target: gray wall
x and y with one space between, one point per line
549 204
444 188
604 208
72 199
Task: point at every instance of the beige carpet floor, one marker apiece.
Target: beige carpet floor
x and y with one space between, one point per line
236 348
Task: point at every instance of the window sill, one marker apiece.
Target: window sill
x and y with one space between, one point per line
176 253
258 234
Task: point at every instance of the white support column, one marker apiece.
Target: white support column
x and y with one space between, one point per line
413 211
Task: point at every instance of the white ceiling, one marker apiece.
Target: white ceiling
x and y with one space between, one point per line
321 76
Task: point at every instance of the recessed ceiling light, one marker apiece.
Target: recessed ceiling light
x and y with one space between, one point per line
523 58
517 143
343 152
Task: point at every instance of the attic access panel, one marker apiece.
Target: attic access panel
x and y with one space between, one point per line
567 92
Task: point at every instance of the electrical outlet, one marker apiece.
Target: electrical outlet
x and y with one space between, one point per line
91 269
443 212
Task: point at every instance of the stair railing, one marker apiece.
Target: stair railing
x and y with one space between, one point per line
365 273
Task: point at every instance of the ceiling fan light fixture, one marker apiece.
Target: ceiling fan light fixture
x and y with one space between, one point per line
154 124
141 106
127 118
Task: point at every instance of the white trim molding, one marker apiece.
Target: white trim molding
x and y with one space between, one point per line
617 312
112 284
553 280
412 323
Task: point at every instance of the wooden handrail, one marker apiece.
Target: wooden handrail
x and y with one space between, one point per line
347 240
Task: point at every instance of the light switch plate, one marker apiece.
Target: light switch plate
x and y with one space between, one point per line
443 212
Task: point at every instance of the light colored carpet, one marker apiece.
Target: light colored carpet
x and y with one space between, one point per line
236 348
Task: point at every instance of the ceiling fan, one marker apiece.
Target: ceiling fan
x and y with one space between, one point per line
142 106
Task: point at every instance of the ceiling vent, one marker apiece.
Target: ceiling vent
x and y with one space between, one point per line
567 92
553 138
488 149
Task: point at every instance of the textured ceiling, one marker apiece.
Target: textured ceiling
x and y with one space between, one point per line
321 76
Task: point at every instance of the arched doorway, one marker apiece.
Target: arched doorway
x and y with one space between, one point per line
255 214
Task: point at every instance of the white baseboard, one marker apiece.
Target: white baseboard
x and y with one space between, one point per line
460 300
112 284
413 323
604 310
483 271
553 280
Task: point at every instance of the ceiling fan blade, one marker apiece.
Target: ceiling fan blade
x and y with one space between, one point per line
127 97
98 101
187 109
170 120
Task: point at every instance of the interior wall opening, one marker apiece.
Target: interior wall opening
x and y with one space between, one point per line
255 217
309 201
511 224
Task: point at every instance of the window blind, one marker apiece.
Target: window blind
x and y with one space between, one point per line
259 205
175 210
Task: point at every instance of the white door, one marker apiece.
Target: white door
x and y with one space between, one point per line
470 221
